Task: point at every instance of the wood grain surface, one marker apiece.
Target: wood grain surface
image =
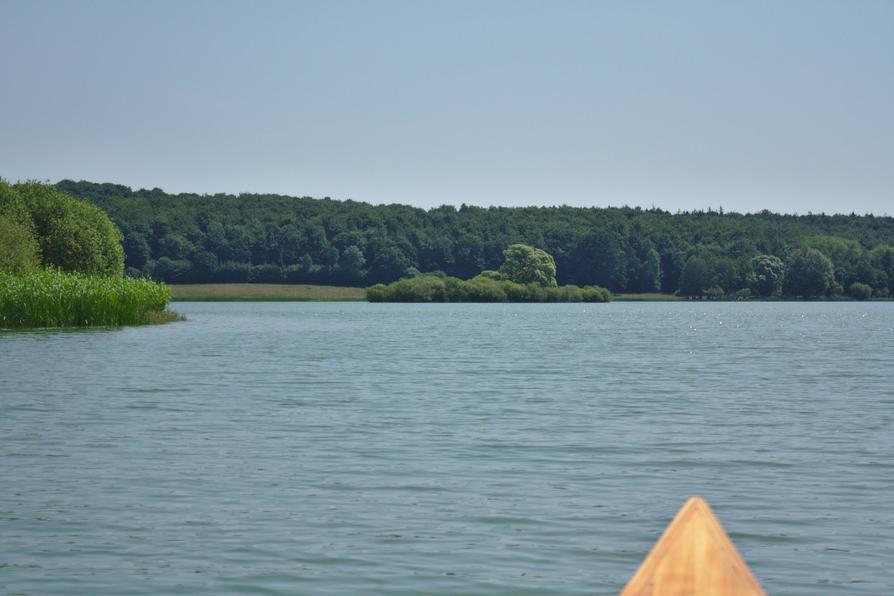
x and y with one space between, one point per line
695 557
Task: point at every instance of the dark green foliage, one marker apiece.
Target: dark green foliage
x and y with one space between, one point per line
714 293
170 270
850 262
73 234
525 264
19 249
345 242
808 273
351 265
84 284
860 291
695 278
432 288
767 273
495 275
52 298
882 258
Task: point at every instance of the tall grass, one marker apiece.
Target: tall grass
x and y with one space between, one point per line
52 298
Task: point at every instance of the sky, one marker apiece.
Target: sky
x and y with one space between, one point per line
780 105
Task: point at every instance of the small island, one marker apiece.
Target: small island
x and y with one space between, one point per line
62 265
528 274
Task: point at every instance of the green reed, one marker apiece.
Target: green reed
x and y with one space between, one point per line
52 298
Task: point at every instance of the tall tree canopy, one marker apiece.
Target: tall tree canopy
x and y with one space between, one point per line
225 238
42 226
809 273
73 234
19 250
525 264
767 275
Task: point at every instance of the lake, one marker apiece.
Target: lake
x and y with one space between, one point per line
338 448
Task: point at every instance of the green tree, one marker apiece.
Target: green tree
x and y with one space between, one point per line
767 273
525 264
330 258
696 277
599 258
73 235
860 291
849 260
723 274
808 273
352 263
883 260
19 249
175 247
136 250
307 264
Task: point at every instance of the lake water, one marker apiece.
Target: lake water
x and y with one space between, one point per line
316 448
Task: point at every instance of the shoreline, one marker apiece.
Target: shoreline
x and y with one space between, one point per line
249 292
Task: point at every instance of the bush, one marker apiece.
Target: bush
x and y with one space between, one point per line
860 291
19 249
482 289
431 288
417 289
73 235
569 293
714 293
516 292
596 294
376 293
53 298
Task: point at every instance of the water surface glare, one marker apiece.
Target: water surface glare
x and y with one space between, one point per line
339 448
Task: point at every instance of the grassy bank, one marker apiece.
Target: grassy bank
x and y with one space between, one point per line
52 298
264 292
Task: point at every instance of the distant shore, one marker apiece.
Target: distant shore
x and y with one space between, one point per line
248 292
264 293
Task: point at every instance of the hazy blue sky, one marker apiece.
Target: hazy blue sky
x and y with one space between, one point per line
747 105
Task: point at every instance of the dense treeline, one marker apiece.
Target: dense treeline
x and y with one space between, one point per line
273 238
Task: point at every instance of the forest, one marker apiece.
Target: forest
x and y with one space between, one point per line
191 238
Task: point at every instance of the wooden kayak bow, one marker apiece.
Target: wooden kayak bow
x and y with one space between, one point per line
693 557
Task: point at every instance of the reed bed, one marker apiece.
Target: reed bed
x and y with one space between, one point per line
52 298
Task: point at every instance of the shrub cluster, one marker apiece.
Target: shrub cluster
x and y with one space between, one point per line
43 226
54 298
860 291
432 288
